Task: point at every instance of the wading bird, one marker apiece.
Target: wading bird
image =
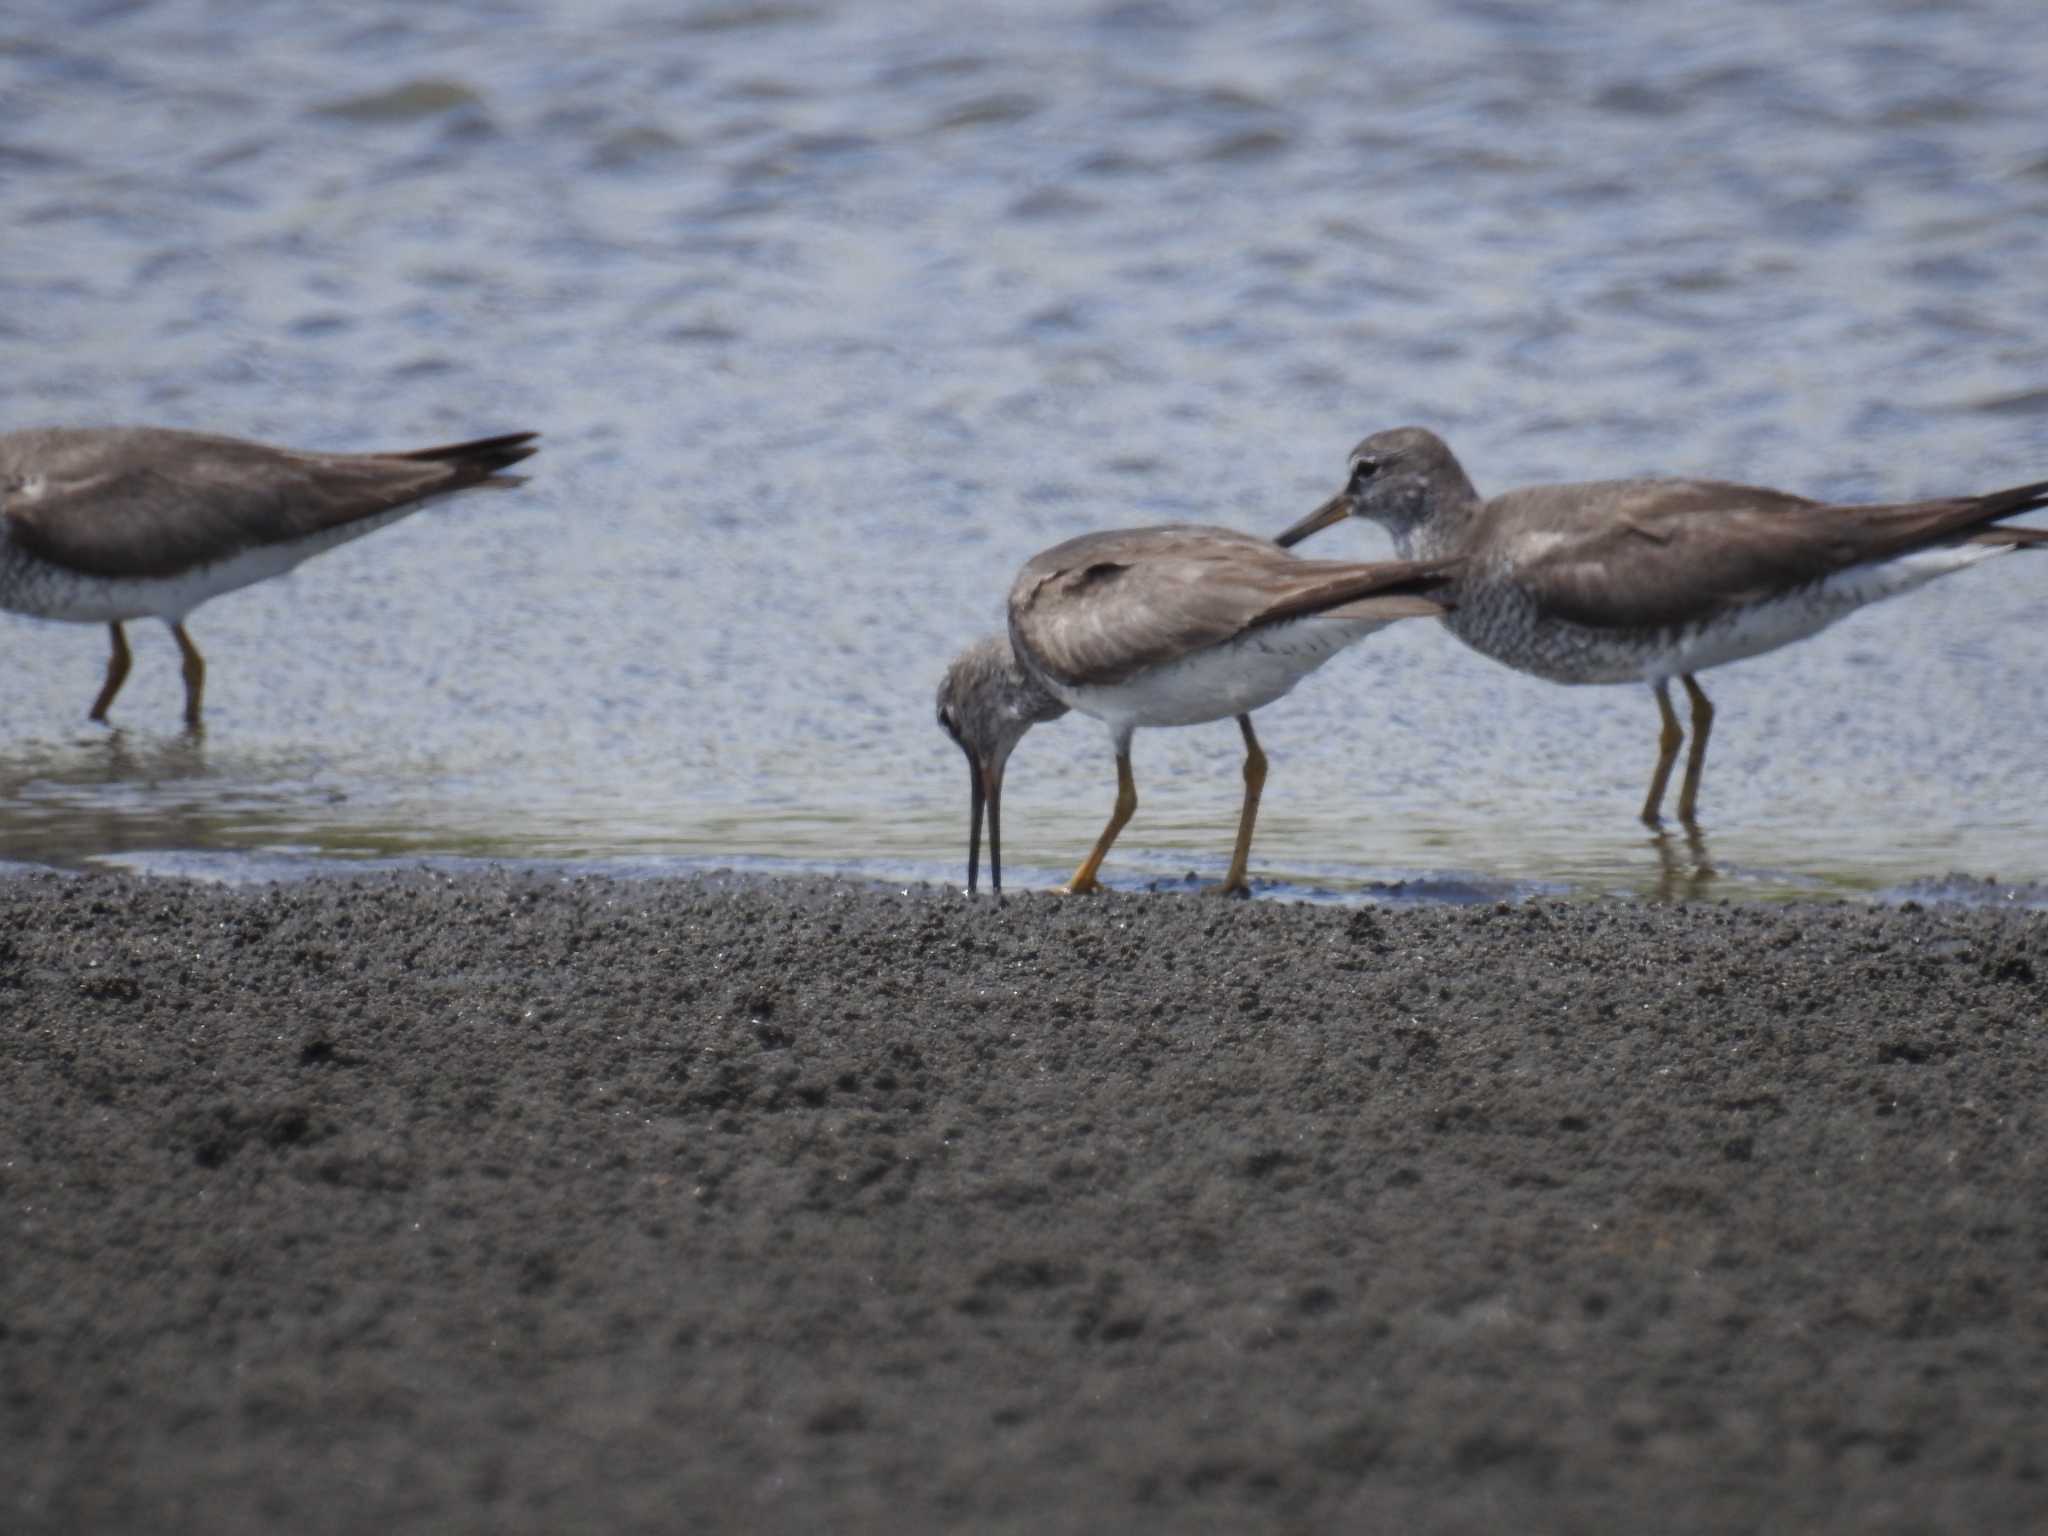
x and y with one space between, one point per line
1161 626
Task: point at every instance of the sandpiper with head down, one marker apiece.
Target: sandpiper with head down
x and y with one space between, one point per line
1618 581
1172 625
100 525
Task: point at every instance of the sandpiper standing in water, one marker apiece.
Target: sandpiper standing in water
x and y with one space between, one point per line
1620 581
100 525
1173 625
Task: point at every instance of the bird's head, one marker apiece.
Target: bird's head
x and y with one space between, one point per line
986 703
1401 480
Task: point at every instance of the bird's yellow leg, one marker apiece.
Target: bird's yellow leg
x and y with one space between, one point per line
117 673
1084 882
195 676
1234 883
1702 724
1667 754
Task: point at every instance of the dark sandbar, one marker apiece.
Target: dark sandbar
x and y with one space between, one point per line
502 1204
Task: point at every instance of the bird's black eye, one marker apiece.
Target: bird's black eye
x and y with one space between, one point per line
1363 470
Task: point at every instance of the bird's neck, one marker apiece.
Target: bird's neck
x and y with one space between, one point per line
1434 520
1024 694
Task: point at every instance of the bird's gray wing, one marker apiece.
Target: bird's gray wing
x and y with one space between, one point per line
1099 609
148 502
1666 554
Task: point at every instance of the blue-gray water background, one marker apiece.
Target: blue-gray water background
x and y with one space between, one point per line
833 313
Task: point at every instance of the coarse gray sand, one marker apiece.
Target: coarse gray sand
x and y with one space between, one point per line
502 1203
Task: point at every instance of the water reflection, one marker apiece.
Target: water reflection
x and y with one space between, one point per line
97 756
1684 872
120 791
175 804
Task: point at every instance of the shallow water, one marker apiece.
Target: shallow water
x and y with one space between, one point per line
834 313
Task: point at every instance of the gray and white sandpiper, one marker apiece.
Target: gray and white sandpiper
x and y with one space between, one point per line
1173 625
1618 581
99 525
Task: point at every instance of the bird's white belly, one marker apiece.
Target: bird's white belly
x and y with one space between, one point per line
1765 626
1222 681
46 591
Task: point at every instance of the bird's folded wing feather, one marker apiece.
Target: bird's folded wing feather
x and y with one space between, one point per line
1098 610
141 503
1677 553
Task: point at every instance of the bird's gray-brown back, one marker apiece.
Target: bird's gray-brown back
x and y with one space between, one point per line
1632 554
147 502
1100 608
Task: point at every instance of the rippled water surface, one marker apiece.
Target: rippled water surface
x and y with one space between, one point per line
834 313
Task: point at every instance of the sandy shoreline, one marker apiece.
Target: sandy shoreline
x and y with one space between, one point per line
500 1203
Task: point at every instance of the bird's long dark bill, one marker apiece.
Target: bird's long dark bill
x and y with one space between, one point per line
995 833
1335 510
984 794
